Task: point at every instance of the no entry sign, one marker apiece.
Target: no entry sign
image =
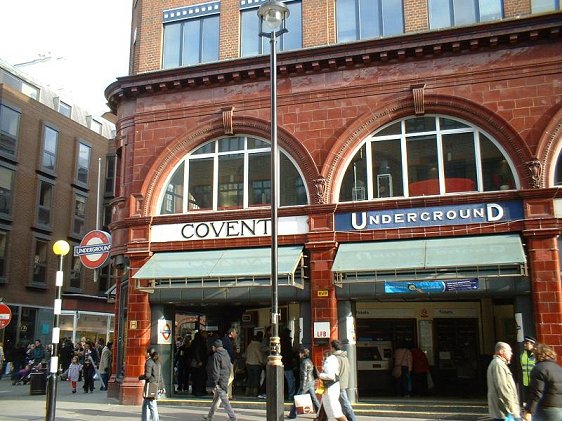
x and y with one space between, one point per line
94 249
5 315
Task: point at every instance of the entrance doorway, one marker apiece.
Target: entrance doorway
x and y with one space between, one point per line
458 371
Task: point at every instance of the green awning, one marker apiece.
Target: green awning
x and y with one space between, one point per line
216 268
485 255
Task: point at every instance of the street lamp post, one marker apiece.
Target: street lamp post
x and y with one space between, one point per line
61 249
273 14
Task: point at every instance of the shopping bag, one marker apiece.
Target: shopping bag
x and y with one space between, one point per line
397 371
303 404
319 390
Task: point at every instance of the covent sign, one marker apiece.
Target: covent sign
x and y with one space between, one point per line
259 227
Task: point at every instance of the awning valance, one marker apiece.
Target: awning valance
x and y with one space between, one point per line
220 268
450 258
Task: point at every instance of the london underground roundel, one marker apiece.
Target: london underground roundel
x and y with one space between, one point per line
94 249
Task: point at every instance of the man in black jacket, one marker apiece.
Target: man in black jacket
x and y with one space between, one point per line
219 368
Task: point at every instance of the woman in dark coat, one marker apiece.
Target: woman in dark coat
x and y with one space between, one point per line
199 355
545 388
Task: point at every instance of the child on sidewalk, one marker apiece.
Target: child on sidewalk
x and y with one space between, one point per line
74 372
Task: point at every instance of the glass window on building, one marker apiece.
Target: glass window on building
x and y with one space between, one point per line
79 214
6 188
75 279
9 130
540 6
45 203
430 155
65 109
191 35
365 19
49 155
448 13
4 236
251 44
110 173
83 163
40 262
230 173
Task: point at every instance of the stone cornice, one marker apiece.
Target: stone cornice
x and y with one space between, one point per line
414 46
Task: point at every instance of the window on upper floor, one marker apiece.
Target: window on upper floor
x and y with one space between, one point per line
110 171
19 84
191 35
230 173
251 44
79 214
75 280
430 155
540 6
83 163
49 155
4 236
96 126
9 130
448 13
364 19
45 203
6 189
65 109
40 262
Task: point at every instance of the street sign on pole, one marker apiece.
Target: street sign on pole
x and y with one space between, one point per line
94 249
5 315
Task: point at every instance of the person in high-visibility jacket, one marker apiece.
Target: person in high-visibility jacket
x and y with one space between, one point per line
527 364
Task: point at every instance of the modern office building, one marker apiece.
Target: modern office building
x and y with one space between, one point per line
419 161
49 152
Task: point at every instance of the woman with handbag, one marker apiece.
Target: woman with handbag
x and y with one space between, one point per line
153 381
402 369
330 406
307 380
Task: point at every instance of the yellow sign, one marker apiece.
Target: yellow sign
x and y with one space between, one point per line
133 324
322 293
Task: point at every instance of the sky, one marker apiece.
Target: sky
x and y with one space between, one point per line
81 46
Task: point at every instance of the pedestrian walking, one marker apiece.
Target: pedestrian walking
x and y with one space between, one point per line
73 372
503 401
330 406
219 367
255 360
545 387
105 365
343 375
403 359
152 374
307 380
88 371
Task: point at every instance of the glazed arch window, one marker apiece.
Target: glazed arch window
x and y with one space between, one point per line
230 173
423 156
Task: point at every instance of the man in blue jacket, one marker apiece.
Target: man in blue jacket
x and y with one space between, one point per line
219 368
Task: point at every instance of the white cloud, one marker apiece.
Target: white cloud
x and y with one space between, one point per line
87 42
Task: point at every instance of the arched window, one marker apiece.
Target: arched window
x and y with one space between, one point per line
230 173
430 155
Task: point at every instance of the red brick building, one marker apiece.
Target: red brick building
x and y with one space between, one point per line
420 145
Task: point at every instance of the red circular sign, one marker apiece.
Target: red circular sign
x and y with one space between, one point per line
94 249
5 315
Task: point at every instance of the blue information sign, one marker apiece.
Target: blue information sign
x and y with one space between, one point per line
428 287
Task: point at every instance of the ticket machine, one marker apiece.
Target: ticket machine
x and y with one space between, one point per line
374 355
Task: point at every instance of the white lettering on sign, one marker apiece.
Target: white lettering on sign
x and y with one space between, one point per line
227 229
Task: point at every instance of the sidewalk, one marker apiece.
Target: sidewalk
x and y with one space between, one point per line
16 404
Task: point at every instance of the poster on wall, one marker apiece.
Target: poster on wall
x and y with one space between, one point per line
164 332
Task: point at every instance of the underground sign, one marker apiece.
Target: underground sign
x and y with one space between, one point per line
94 249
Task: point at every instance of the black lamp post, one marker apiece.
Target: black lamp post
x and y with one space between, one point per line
273 14
61 249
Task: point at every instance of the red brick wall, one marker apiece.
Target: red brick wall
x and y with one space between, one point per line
513 8
416 16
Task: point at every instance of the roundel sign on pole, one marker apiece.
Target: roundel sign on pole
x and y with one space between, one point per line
5 315
94 249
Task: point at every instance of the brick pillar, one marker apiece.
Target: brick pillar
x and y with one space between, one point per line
138 340
546 286
323 302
